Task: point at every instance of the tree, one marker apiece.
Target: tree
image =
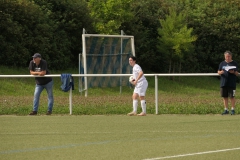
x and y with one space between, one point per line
69 17
50 27
175 39
144 28
216 22
24 30
109 15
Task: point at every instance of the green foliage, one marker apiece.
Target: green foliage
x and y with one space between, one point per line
175 38
215 22
54 27
70 17
109 15
144 28
50 27
16 31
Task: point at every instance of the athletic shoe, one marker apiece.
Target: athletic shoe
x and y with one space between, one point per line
132 114
142 114
33 113
49 113
225 112
232 112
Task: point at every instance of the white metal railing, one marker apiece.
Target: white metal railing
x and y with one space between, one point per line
156 75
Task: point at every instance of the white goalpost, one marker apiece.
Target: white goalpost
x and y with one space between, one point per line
105 54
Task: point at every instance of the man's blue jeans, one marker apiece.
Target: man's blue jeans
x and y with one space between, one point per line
38 91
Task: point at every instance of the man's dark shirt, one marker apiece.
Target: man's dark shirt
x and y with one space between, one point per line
38 68
228 79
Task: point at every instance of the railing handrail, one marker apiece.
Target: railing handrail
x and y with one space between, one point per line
156 75
114 75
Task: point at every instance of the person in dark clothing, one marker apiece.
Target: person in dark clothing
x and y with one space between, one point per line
38 67
228 70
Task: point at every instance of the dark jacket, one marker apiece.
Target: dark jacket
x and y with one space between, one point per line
67 82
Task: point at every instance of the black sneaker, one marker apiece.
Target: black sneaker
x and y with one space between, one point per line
33 113
49 113
232 112
225 112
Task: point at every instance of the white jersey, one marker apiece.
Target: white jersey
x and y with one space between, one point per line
136 70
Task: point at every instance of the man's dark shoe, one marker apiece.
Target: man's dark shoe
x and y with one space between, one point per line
33 113
49 113
225 112
232 112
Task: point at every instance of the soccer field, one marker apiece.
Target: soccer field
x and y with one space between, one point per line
120 137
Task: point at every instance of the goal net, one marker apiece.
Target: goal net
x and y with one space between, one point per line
105 54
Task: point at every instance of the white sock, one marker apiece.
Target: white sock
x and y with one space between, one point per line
135 105
144 106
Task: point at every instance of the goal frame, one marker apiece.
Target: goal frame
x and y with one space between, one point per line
84 56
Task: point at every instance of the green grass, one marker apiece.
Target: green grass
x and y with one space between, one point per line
121 137
188 125
184 95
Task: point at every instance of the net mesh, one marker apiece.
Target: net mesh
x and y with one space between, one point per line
106 55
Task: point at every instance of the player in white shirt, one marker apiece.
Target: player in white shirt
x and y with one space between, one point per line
141 85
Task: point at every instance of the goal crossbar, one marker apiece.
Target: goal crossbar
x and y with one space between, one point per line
103 35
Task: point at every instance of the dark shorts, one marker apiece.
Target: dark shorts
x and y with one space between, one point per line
228 92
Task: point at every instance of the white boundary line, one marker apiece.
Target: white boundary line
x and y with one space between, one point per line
192 154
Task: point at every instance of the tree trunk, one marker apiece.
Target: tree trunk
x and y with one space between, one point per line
180 69
170 66
174 67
